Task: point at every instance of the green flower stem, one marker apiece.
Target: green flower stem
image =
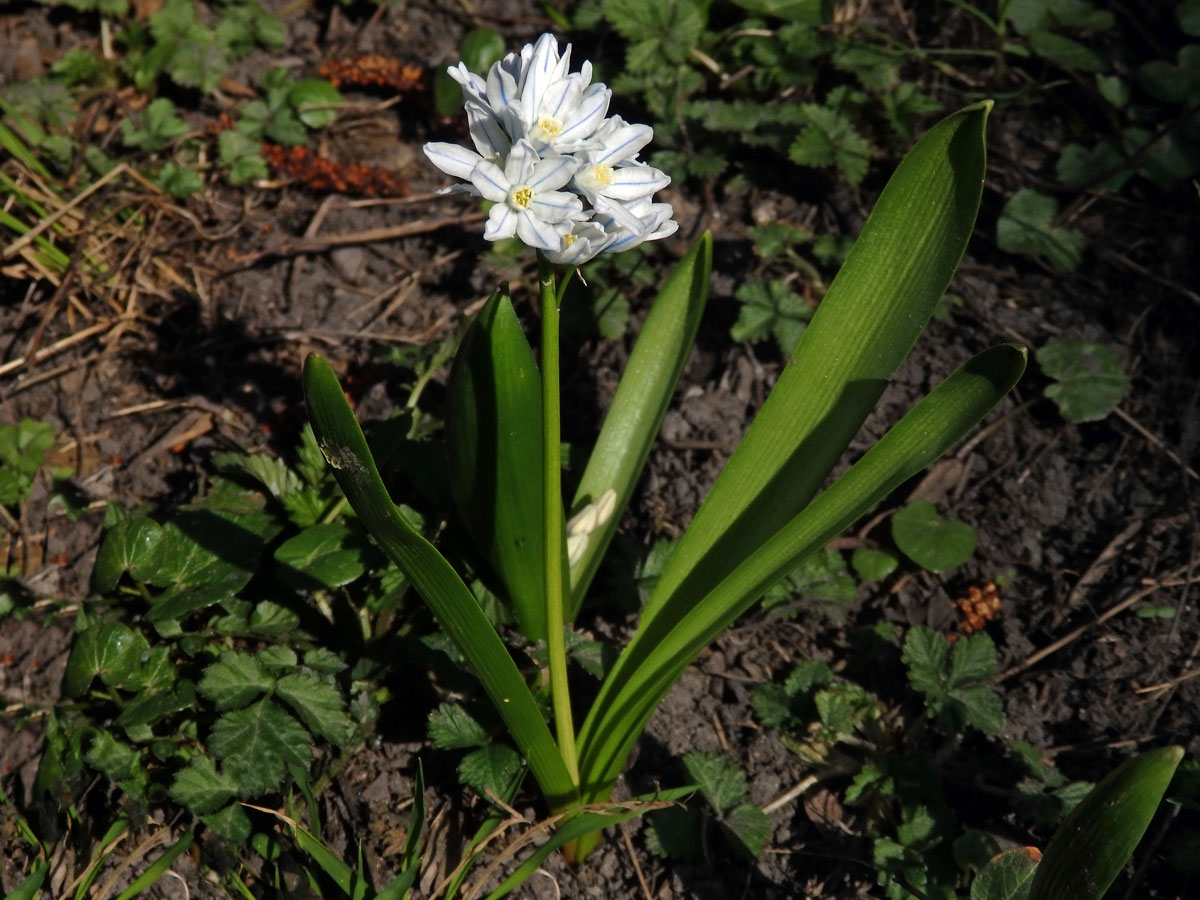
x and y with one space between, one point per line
554 544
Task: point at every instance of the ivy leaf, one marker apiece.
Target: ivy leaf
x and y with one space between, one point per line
722 783
492 768
1026 226
234 680
319 704
201 788
257 744
451 728
321 557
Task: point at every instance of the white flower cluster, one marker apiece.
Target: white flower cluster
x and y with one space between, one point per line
539 129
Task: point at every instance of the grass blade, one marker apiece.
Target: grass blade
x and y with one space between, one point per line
342 442
641 401
667 640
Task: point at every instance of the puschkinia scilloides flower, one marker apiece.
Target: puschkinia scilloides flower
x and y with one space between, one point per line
564 176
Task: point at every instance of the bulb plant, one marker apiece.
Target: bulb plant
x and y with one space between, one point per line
564 177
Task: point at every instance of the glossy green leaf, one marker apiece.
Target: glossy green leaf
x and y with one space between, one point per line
932 542
494 452
344 447
665 643
643 395
133 545
111 651
150 706
1092 845
868 321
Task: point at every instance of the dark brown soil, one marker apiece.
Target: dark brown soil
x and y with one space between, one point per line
1074 519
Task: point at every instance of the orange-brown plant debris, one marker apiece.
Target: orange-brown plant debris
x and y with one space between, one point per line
372 71
317 173
980 606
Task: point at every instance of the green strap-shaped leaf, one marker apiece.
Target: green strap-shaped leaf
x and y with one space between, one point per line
345 448
866 324
494 450
1092 845
667 640
641 401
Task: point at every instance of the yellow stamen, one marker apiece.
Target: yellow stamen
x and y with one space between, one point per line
521 196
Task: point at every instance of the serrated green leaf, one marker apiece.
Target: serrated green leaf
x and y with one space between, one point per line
972 658
256 745
492 769
978 706
178 181
451 728
1090 380
198 62
674 833
200 787
771 309
748 828
230 823
1027 226
319 704
154 127
1007 876
830 139
324 660
321 556
234 680
932 542
927 655
120 763
722 783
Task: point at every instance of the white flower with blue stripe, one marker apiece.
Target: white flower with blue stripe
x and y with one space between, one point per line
538 128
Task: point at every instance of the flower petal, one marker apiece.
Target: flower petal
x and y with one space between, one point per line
518 169
551 173
490 180
537 233
452 159
539 73
588 115
501 223
555 206
634 182
623 144
487 133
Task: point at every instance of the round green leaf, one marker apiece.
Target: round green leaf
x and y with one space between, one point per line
873 565
314 100
930 541
1090 379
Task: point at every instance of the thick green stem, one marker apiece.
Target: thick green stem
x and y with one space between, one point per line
554 542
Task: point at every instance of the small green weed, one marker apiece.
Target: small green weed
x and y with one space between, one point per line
1089 380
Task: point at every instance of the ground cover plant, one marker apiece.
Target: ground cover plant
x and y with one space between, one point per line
216 681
